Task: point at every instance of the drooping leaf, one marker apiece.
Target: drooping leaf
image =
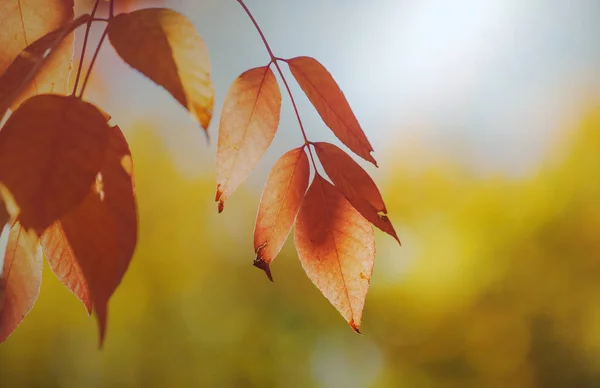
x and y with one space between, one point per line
64 264
336 247
327 98
24 22
165 46
279 205
356 185
31 60
51 150
20 278
249 120
99 237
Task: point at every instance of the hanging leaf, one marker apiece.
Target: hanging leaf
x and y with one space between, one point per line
31 60
64 264
249 120
328 99
165 46
96 241
356 185
24 22
51 150
20 279
336 247
279 205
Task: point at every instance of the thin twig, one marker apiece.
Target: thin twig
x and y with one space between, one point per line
87 76
88 27
275 60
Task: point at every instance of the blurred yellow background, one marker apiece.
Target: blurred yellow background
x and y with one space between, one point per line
491 177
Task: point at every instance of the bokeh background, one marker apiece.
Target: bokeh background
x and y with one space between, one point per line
485 119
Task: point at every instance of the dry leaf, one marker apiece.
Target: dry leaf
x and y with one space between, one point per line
356 185
279 205
97 240
51 150
20 278
336 247
165 46
328 99
24 22
249 120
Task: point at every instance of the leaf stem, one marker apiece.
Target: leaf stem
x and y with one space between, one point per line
85 40
111 10
275 60
89 72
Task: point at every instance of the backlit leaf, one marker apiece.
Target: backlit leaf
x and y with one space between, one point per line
24 22
336 247
20 278
279 205
328 99
249 120
33 59
62 260
165 46
51 150
99 237
356 185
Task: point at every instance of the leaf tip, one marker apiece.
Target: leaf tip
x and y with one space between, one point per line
219 198
261 264
354 327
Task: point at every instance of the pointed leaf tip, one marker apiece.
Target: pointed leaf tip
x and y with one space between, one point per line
261 264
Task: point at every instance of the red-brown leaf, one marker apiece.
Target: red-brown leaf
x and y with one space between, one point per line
51 150
336 247
20 279
24 22
39 55
249 120
100 236
164 46
327 98
356 185
279 205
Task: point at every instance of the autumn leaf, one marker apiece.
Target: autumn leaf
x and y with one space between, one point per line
328 99
90 248
249 120
356 185
20 278
279 205
24 22
31 60
336 247
51 150
165 46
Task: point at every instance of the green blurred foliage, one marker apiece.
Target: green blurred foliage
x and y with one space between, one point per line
497 284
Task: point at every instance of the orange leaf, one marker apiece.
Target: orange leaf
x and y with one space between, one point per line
51 150
165 46
99 237
24 22
62 260
37 56
356 185
20 279
279 205
249 120
336 247
327 98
